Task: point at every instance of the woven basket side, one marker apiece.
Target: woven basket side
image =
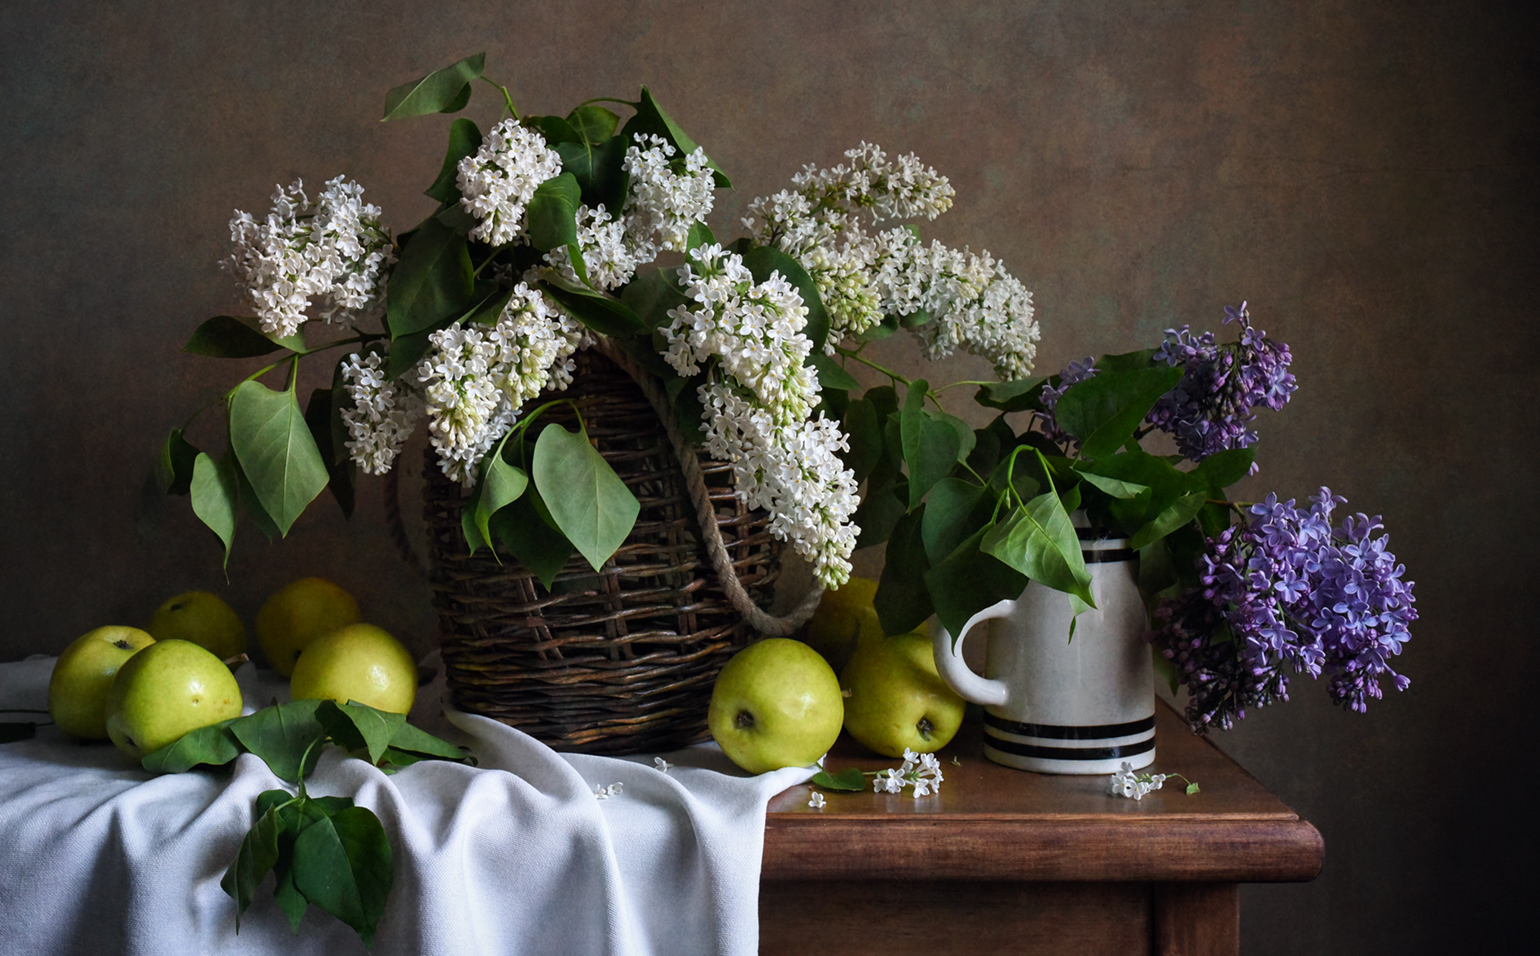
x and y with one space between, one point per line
618 661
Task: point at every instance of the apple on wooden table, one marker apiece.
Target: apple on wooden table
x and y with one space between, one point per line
775 704
897 699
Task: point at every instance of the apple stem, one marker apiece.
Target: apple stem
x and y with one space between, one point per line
925 727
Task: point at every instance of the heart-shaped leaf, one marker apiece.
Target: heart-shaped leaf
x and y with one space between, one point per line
212 746
257 856
225 336
215 491
354 726
284 736
276 451
930 446
967 581
464 140
342 864
587 500
442 91
650 118
432 281
1039 541
1103 411
593 122
552 213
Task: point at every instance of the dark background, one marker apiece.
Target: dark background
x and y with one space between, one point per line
1363 173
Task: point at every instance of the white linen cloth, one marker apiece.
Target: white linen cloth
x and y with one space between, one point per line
517 855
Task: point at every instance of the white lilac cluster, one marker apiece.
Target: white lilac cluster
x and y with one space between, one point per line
920 771
329 253
758 398
666 197
382 414
973 303
497 181
1126 783
476 379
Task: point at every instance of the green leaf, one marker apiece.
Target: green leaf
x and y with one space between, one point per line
501 485
257 856
651 295
538 546
215 495
174 465
650 118
276 451
948 517
588 501
762 261
1223 469
354 726
1020 395
283 735
864 434
1039 541
212 746
252 508
602 313
1192 788
599 170
555 130
464 140
324 418
850 780
431 282
420 743
1171 517
700 235
902 602
593 122
1164 481
1116 487
1126 361
831 374
1103 411
343 865
552 213
930 446
968 580
442 91
225 336
965 436
879 512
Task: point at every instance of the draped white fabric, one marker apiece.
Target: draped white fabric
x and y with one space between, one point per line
516 855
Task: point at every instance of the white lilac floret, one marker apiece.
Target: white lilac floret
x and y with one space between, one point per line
329 255
498 180
381 416
476 379
1135 786
1288 590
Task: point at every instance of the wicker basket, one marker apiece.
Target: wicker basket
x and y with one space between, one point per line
621 661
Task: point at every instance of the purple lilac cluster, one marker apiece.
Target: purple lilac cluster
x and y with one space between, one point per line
1211 408
1288 588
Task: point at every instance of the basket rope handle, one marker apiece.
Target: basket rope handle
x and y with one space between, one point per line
761 620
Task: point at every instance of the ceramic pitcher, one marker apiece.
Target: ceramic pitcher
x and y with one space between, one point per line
1055 704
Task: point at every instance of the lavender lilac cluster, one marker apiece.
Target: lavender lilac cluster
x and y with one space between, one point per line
1211 408
1288 588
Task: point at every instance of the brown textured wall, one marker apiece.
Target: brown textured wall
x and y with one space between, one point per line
1364 173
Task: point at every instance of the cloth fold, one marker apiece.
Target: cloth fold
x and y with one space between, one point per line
516 855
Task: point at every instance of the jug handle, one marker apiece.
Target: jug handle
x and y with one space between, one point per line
956 672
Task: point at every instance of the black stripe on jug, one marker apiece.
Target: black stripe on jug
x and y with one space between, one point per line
1069 753
1054 731
1110 556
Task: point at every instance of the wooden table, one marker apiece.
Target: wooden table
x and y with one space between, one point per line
1005 861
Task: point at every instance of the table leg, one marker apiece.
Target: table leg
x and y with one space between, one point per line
1197 919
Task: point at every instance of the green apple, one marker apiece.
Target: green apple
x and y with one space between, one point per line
776 704
82 677
845 620
203 618
359 662
166 690
897 700
297 614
